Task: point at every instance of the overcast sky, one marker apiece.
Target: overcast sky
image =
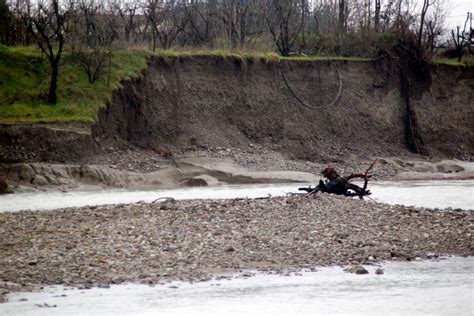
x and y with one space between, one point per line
457 10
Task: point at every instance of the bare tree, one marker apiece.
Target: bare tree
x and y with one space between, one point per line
48 25
463 38
6 22
424 10
434 26
22 11
200 20
128 11
342 16
159 15
378 7
92 41
284 23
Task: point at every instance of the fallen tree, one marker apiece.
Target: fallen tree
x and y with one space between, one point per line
334 183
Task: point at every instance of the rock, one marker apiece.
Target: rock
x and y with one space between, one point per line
4 189
193 182
39 181
200 181
2 298
230 249
357 270
209 180
23 172
379 271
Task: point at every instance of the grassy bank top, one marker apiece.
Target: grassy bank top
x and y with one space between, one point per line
25 78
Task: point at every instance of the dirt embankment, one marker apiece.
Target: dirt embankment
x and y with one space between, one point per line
208 101
45 142
242 110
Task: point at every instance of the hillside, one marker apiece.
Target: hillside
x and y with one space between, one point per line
322 109
24 81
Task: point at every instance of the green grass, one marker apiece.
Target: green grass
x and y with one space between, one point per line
454 62
25 73
24 83
327 58
269 56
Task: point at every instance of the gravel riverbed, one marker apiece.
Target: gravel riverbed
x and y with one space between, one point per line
191 240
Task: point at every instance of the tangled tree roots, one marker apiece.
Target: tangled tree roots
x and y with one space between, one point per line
336 184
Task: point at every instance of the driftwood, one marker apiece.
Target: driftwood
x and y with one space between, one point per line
336 184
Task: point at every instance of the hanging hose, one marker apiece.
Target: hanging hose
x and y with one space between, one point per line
301 101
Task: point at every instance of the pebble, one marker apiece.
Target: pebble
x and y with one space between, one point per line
195 239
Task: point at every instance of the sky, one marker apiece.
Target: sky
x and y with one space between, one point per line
457 10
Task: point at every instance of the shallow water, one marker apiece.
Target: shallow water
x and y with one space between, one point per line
435 288
440 194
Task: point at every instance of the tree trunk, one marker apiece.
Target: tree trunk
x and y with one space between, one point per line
342 8
377 15
53 86
426 4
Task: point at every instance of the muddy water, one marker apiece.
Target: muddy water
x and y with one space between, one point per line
434 194
417 288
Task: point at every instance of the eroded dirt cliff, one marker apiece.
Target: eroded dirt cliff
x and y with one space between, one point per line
260 115
210 101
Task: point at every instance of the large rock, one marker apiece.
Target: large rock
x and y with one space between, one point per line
357 270
201 181
22 172
39 181
4 189
194 182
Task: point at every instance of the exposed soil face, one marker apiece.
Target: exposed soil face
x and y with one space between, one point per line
446 113
206 101
242 110
31 143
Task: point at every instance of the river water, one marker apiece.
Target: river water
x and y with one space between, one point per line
444 287
418 288
434 194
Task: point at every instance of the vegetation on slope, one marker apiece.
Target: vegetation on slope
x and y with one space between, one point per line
24 81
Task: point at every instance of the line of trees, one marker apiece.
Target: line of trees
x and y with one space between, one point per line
242 24
92 29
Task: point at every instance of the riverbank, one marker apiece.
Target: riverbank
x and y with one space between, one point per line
141 169
190 240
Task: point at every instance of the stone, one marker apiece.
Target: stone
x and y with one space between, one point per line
39 181
4 189
200 181
23 172
357 270
379 271
230 249
194 183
